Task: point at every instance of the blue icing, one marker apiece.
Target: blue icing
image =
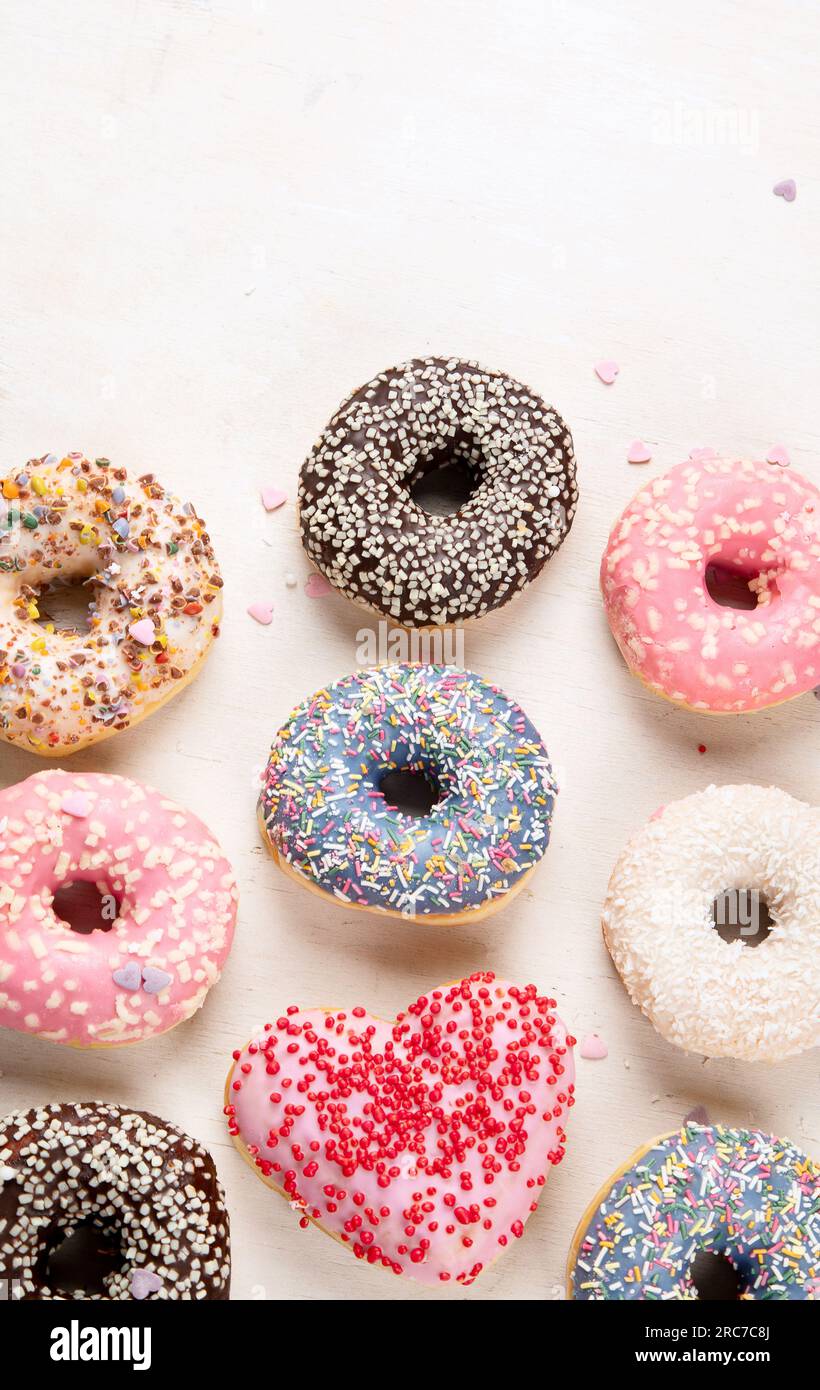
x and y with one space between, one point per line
325 813
737 1193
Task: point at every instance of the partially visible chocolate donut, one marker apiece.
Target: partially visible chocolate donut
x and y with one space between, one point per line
363 529
146 1191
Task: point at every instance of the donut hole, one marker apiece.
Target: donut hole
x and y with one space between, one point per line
81 1259
66 604
86 907
742 914
715 1277
413 791
446 483
729 587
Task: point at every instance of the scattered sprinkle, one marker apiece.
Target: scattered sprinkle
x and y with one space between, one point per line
638 452
779 454
272 498
261 613
154 981
75 804
593 1048
785 189
607 371
316 586
702 453
142 632
701 747
129 977
290 580
144 1282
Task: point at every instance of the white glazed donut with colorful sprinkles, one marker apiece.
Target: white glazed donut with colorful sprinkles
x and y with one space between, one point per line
737 1195
713 518
154 590
149 1191
422 1145
757 996
175 901
326 818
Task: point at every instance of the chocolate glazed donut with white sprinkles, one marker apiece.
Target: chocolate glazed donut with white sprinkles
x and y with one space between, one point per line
145 1193
363 529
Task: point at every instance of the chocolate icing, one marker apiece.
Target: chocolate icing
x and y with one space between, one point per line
363 530
147 1187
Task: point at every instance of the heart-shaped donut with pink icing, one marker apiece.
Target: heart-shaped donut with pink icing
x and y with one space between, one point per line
423 1144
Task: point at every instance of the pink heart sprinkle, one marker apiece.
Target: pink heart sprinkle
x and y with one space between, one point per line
786 189
76 804
272 498
607 371
779 454
700 455
593 1048
142 632
318 587
261 613
638 452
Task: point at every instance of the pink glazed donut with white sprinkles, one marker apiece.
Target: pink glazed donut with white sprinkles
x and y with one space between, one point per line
173 908
746 531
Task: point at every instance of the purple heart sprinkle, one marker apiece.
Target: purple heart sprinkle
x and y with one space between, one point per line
154 980
128 977
786 189
143 1282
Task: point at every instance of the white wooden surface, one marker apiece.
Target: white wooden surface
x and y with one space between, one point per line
219 216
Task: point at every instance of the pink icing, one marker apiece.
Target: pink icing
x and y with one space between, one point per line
750 520
422 1144
177 907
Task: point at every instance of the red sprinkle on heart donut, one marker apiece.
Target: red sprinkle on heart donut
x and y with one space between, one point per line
422 1145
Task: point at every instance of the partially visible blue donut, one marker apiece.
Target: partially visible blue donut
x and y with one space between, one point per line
747 1196
324 815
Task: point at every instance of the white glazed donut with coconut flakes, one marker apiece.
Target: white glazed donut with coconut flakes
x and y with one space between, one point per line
757 997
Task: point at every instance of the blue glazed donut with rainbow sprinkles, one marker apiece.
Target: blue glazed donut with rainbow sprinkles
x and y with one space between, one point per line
736 1196
413 790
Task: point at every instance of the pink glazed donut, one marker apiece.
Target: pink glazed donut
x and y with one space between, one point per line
725 523
172 895
424 1144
